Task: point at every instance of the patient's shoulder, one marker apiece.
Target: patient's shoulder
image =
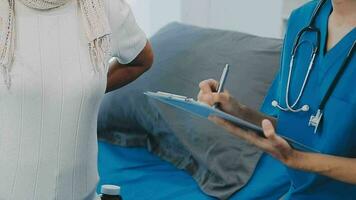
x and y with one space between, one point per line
117 12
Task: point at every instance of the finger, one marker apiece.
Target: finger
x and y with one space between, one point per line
209 86
248 136
269 130
206 98
277 141
227 92
252 138
216 120
223 98
222 122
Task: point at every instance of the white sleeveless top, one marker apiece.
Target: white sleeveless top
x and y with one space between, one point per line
48 119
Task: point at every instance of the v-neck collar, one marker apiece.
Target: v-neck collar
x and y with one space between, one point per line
330 61
324 28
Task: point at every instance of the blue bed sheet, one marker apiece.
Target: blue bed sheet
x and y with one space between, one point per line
144 176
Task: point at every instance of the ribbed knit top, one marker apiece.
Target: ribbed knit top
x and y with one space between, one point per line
48 119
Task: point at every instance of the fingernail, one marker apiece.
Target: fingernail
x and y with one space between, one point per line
266 123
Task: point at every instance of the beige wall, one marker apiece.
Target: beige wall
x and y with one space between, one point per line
259 17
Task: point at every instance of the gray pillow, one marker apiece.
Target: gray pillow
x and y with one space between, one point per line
185 55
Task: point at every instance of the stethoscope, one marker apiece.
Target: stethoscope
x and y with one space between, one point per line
315 119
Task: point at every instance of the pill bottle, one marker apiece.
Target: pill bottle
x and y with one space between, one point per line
110 192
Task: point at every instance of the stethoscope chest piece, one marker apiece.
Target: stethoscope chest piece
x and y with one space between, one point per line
315 120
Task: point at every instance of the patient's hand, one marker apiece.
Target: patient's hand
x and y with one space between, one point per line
209 96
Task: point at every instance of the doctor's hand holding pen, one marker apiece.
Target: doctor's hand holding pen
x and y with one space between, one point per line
272 144
339 168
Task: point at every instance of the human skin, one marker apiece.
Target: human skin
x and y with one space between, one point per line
120 75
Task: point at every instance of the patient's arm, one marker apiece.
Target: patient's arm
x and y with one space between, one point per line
120 75
228 104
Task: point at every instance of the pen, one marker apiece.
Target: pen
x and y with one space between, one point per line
222 82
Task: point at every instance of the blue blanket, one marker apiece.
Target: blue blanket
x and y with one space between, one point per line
144 176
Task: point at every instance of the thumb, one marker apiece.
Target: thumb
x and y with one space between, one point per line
268 129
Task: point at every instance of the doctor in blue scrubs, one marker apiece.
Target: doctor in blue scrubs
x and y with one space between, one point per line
313 102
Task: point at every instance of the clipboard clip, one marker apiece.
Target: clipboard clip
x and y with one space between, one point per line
175 97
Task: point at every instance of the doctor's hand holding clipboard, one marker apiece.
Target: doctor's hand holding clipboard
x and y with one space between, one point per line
272 143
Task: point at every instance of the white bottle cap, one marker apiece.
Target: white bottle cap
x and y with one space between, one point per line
112 190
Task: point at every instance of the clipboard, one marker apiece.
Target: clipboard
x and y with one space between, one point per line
203 110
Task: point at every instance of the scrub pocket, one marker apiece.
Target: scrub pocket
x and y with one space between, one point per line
338 137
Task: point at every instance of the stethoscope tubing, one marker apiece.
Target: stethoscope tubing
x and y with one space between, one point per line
310 67
315 50
316 119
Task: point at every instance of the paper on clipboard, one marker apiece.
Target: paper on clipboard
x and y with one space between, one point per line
203 110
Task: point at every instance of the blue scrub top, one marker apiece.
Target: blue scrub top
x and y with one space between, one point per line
337 134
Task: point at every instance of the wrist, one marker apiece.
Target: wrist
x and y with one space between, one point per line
294 159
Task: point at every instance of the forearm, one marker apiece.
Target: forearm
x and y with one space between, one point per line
339 168
121 75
